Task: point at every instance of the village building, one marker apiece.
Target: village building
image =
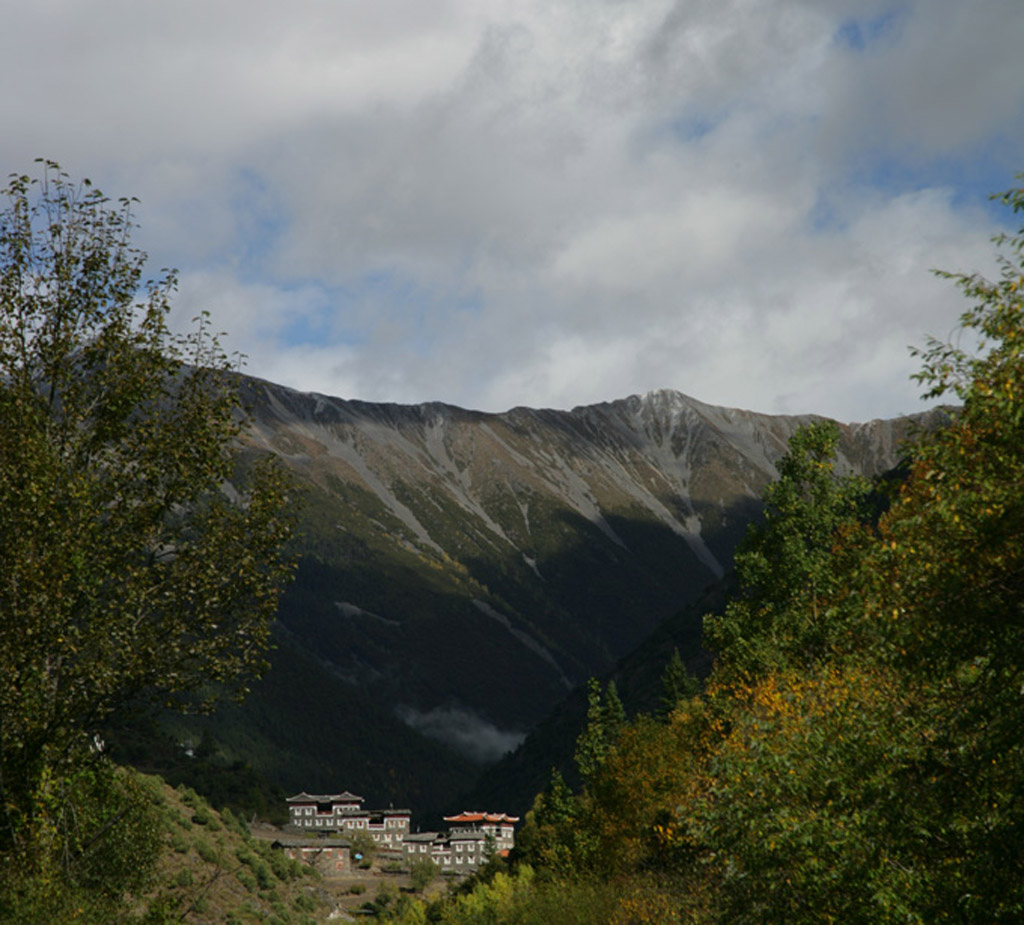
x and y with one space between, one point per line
470 842
472 839
343 812
328 855
499 826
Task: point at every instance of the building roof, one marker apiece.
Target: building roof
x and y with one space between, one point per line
421 837
345 797
481 817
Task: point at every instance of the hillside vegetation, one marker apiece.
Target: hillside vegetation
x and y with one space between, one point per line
188 863
855 755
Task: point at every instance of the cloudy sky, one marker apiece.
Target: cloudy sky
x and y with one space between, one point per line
497 203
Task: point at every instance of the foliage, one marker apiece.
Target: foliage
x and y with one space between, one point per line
550 837
791 566
806 813
98 836
524 898
422 873
677 684
129 571
605 718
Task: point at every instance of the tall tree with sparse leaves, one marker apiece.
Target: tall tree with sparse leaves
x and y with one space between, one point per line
790 566
676 684
137 562
605 718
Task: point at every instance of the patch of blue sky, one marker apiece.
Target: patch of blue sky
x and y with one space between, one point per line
691 126
261 216
825 216
387 300
320 315
314 328
972 178
392 294
859 35
468 304
971 181
417 300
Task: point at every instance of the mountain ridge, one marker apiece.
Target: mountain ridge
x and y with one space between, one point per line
465 569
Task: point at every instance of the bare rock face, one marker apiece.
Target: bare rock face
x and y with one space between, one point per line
466 569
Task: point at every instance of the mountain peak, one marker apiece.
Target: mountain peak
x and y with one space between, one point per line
463 569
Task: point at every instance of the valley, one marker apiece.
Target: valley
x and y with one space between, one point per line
460 573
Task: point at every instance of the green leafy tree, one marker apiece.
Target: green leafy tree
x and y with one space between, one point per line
946 580
606 717
881 781
131 569
789 567
614 712
557 835
677 684
422 873
105 830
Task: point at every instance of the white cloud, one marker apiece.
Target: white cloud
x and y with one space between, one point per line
464 731
544 203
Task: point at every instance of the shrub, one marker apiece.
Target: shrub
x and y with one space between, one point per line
264 876
206 851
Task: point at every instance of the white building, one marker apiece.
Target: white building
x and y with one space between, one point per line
499 826
470 842
343 812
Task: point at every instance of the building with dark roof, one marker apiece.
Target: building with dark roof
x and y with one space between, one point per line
343 812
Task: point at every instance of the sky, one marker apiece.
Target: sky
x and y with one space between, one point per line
495 203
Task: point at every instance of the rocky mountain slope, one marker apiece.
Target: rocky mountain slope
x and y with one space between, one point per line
463 571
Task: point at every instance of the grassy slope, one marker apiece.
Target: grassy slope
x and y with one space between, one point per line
212 870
